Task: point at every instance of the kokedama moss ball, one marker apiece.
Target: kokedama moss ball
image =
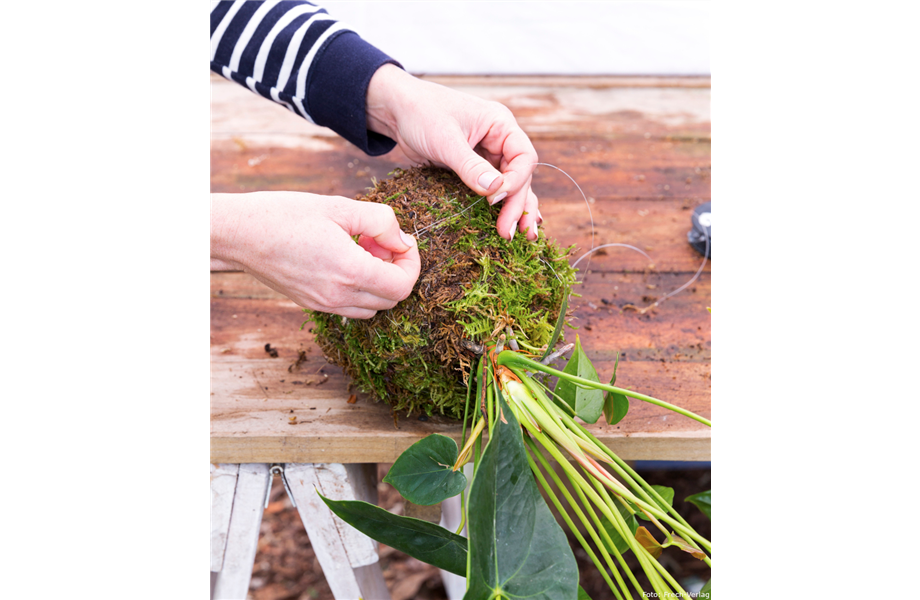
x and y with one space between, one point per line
473 284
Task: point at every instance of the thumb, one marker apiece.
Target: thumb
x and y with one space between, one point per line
378 221
475 171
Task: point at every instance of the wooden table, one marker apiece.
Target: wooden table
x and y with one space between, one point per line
640 150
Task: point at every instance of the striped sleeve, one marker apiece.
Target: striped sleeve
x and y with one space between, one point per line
295 54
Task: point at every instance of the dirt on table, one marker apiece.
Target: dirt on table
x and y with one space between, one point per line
286 567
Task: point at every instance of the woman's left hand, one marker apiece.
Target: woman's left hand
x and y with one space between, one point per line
478 139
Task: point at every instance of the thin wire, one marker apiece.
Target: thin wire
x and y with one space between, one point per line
596 248
608 246
424 229
593 247
683 287
588 204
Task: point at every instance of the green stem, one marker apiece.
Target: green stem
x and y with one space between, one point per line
623 530
570 426
582 487
568 520
490 399
588 527
591 512
510 358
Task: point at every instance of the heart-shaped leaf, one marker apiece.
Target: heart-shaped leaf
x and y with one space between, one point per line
619 543
703 501
588 404
517 549
648 542
423 540
666 493
615 405
424 474
679 542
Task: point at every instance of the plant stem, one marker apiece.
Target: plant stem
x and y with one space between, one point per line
572 527
591 512
514 359
583 487
641 487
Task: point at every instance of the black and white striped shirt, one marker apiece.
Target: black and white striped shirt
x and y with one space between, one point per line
295 54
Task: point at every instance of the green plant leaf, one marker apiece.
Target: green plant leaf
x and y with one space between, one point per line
558 330
663 491
615 405
587 403
703 501
648 541
424 474
619 543
423 540
666 493
682 544
582 594
517 549
711 588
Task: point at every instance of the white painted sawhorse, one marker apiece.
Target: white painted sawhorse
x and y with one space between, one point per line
348 557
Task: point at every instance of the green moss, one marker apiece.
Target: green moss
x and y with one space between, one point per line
473 284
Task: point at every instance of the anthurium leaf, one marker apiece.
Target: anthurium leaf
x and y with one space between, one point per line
711 588
424 474
582 594
648 542
517 549
615 405
703 501
423 540
588 404
619 543
679 542
666 493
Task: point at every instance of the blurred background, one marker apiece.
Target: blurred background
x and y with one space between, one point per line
530 38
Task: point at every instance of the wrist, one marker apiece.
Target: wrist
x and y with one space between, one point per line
385 95
224 231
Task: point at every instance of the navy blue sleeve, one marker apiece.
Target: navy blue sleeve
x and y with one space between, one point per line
337 90
295 54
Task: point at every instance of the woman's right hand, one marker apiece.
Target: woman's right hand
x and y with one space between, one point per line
301 245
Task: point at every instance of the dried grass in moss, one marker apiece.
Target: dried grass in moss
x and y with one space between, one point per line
473 284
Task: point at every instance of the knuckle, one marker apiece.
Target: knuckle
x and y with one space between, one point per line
384 211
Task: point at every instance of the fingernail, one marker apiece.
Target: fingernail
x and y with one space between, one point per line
487 179
406 239
513 230
498 198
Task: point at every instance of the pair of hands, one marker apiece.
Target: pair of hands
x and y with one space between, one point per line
300 244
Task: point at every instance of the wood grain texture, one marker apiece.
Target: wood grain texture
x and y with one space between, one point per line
232 582
223 486
640 151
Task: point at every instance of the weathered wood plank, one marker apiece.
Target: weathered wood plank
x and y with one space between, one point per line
232 582
223 485
342 550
